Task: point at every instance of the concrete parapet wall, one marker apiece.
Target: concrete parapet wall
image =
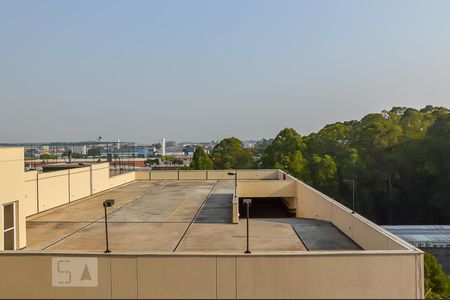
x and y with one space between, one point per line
206 175
315 205
192 175
12 186
53 189
164 175
30 199
319 275
142 175
80 183
257 174
267 188
44 191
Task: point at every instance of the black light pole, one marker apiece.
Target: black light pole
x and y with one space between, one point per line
247 202
352 181
99 151
107 203
235 181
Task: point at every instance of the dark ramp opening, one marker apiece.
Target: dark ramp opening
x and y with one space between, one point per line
264 208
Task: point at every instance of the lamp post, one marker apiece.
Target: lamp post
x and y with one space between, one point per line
107 203
353 182
99 139
235 181
247 202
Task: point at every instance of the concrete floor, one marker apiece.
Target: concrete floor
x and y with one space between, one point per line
218 208
264 237
319 235
164 216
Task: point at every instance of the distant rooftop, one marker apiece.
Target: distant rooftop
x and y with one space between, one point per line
431 235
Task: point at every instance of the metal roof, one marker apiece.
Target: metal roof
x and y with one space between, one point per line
434 234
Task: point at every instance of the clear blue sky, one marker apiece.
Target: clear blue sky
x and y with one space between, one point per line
204 70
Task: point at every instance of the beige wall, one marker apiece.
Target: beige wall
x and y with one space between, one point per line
100 178
206 175
266 188
53 189
164 175
220 174
257 174
315 205
80 183
320 275
48 190
192 175
142 175
12 186
121 179
31 191
243 174
35 192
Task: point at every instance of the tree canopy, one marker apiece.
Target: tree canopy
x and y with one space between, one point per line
399 159
201 161
286 153
229 154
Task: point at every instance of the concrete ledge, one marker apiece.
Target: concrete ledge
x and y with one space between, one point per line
235 276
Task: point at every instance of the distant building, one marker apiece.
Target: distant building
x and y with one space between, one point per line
163 147
172 144
188 150
80 149
434 239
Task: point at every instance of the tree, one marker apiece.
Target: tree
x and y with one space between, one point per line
437 283
47 156
399 158
151 161
201 160
260 146
286 153
323 171
94 151
229 154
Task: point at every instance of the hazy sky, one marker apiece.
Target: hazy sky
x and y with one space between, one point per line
204 70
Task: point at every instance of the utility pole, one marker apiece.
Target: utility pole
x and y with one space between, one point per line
353 182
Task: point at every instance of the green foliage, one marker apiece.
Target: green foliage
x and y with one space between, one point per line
172 160
201 160
77 155
261 145
94 151
399 159
323 171
437 283
47 156
151 161
286 153
229 154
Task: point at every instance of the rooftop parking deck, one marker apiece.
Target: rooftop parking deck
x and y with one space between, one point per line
169 216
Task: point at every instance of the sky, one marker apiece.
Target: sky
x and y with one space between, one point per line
205 70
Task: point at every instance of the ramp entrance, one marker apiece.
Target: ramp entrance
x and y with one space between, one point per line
265 208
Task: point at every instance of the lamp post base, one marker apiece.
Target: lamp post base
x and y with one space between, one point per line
107 251
248 252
